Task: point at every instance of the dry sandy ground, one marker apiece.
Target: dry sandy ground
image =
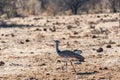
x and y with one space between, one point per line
27 50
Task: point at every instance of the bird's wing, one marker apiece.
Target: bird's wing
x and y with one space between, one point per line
67 53
78 51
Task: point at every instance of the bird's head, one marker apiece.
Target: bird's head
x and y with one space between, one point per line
56 41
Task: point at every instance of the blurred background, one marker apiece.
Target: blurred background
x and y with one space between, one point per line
20 8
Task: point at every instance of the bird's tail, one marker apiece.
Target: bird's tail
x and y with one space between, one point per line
81 59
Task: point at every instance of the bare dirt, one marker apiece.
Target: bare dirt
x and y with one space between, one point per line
27 50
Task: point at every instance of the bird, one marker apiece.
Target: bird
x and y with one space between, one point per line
66 54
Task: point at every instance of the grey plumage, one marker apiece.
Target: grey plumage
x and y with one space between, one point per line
68 54
71 54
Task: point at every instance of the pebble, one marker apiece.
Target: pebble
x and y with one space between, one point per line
108 46
2 63
100 50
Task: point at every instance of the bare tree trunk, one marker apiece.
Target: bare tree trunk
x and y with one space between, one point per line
74 5
113 5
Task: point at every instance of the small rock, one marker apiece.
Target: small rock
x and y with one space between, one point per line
44 29
93 49
2 63
105 68
100 50
94 36
92 26
3 42
75 33
12 35
6 35
98 16
63 38
58 69
112 42
21 52
102 78
31 52
43 64
54 79
53 29
58 61
99 56
108 46
36 19
47 73
32 78
21 42
95 71
37 29
100 69
48 53
2 34
118 45
69 27
27 40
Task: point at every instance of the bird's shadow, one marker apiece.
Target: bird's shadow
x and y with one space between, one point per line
4 24
87 73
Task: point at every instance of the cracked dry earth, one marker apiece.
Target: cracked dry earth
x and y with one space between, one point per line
27 50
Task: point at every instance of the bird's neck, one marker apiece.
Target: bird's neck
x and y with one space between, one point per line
57 48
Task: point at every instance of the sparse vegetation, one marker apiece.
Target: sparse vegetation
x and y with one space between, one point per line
56 7
74 5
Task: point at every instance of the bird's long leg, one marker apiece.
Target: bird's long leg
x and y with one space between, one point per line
66 65
73 66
